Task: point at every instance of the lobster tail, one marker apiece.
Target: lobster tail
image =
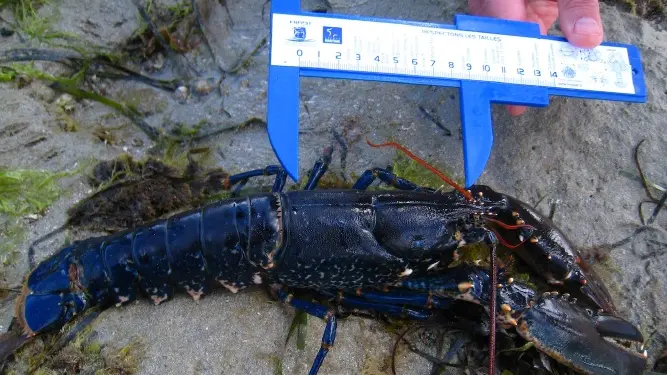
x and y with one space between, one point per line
228 241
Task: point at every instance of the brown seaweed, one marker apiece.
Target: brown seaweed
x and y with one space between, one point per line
133 193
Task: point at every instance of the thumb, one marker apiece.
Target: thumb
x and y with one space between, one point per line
581 22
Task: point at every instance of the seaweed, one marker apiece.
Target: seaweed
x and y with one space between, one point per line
130 193
69 85
277 364
100 66
24 192
25 13
7 75
161 35
446 361
411 170
659 203
434 119
77 350
300 324
125 109
28 70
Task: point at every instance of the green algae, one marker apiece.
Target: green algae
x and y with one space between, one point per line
24 192
83 354
409 169
33 25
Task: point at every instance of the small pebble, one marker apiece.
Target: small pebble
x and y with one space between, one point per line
66 102
181 94
203 86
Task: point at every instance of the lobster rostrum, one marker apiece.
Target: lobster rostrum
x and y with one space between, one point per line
386 251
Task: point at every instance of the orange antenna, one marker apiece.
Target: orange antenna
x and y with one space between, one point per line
424 164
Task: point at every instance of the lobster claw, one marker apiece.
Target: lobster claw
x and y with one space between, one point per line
580 338
546 249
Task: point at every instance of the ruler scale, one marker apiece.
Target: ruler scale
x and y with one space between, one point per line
489 60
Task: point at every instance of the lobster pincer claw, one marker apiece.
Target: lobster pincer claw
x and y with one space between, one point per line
545 248
580 338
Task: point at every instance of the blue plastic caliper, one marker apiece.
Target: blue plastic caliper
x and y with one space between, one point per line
476 96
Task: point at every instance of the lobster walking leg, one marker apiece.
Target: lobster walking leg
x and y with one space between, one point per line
320 311
241 179
389 178
394 303
314 309
319 169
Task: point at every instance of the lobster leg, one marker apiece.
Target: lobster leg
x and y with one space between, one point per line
402 297
241 179
320 311
319 169
393 303
389 178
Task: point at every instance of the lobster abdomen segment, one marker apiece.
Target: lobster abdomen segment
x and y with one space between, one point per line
148 259
239 237
184 253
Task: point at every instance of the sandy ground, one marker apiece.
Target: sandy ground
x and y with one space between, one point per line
576 152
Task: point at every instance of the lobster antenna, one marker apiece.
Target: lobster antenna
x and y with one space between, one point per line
492 312
424 164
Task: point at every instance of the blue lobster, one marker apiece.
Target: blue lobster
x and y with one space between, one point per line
387 251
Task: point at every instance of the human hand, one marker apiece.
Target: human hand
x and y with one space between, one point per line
579 20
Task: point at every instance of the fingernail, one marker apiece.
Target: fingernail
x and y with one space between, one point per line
586 26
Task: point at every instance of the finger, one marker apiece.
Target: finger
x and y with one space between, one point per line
508 9
516 110
543 12
581 22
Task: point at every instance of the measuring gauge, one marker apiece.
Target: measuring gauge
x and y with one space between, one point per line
489 60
